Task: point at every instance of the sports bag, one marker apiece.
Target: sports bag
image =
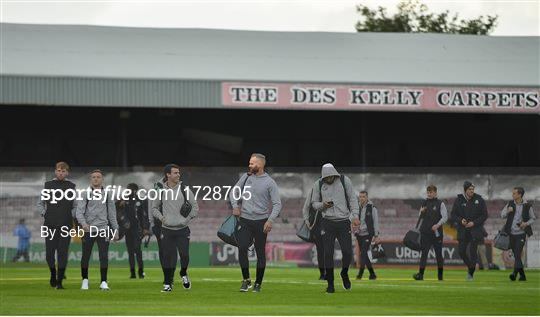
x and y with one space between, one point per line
412 239
227 231
502 241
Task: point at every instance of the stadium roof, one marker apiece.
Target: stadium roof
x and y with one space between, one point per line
216 55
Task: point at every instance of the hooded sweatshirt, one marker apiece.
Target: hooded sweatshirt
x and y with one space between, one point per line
172 202
94 212
336 193
264 201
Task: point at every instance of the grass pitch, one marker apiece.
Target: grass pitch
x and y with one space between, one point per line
24 290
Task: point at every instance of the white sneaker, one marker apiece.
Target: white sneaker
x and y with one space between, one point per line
186 283
166 289
84 285
104 286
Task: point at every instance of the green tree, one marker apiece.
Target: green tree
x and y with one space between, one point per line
413 17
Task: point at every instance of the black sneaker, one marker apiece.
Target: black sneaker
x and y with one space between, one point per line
522 278
512 277
372 276
322 278
346 282
246 285
330 290
59 285
186 283
53 281
132 275
166 289
359 276
142 274
257 288
418 277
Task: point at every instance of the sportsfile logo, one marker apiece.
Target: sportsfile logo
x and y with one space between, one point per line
114 192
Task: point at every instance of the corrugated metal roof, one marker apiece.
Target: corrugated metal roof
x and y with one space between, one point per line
107 92
213 55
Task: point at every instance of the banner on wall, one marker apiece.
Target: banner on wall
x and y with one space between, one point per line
381 98
304 254
118 254
397 253
299 254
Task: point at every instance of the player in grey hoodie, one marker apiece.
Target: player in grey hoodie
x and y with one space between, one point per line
257 210
174 226
336 200
92 214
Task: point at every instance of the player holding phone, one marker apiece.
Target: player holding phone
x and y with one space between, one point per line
339 208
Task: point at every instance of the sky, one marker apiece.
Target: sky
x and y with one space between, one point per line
516 18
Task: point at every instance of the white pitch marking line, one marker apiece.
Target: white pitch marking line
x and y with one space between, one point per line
371 284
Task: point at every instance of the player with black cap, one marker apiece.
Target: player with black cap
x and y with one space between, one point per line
469 213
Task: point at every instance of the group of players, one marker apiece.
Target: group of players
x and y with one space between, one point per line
332 212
